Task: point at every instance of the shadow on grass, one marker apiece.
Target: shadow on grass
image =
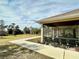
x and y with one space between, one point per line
7 50
16 52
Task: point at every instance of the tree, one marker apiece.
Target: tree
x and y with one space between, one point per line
14 29
26 30
17 30
17 26
35 31
2 28
11 28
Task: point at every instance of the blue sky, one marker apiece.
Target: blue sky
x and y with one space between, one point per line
22 12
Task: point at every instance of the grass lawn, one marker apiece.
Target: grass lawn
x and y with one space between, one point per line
5 39
17 52
11 51
37 40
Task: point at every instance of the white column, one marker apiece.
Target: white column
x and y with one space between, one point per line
57 32
53 33
42 33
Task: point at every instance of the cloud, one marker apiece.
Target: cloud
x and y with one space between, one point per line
20 11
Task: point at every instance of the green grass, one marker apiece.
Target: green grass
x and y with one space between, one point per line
37 40
6 39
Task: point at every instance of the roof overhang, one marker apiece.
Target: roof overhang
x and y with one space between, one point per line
68 18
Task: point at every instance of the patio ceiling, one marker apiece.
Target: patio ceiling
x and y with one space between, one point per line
68 18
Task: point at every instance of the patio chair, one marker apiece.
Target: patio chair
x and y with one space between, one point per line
72 43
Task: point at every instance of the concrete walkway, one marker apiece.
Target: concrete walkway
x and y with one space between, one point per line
50 51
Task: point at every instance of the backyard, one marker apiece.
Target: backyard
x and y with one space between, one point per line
6 39
11 51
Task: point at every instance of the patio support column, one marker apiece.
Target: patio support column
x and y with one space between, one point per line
53 33
42 33
57 32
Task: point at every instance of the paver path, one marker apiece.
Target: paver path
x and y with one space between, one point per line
50 51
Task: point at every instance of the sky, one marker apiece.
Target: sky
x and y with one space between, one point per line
25 12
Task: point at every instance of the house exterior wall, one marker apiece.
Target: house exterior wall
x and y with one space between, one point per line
62 31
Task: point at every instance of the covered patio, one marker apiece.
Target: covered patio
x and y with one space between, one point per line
61 30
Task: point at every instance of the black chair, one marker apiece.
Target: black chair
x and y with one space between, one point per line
56 40
63 41
72 43
77 43
48 40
